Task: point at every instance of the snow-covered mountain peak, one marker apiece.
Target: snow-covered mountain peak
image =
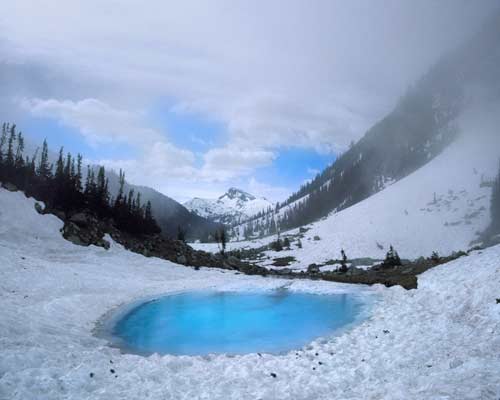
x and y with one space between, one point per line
232 207
235 193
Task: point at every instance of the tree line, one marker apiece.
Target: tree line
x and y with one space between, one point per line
61 186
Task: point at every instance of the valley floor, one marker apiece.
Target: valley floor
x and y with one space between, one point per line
438 342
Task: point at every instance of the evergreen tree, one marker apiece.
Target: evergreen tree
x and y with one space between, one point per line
130 200
44 170
10 147
3 140
121 181
343 261
101 194
19 161
221 239
59 174
87 183
72 172
67 168
78 176
181 235
148 214
392 258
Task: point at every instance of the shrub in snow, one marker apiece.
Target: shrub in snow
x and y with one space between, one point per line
343 261
392 258
277 245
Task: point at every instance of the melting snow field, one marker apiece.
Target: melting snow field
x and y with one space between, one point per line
441 341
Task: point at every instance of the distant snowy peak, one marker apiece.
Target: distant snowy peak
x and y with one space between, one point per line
238 194
233 206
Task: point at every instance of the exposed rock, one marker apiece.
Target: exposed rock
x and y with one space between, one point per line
283 261
9 186
313 269
103 243
59 214
85 236
181 260
352 271
83 219
39 208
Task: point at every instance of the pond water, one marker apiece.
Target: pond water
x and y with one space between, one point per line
200 323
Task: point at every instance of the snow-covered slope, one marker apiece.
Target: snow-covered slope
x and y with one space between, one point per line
440 341
440 207
233 206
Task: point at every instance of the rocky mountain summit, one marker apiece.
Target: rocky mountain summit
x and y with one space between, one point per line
232 207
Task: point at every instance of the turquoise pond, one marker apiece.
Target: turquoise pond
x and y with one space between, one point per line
200 323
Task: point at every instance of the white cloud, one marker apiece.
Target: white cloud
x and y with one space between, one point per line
101 123
276 74
97 121
279 73
230 162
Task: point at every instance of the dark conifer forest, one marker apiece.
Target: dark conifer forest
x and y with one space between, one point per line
61 186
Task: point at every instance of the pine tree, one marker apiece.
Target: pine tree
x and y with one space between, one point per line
44 170
10 147
148 214
119 198
67 169
343 261
130 200
72 173
221 239
3 140
87 182
78 176
392 258
181 235
102 192
32 163
138 206
59 175
19 162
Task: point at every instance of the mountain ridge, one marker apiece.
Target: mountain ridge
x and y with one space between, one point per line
419 128
230 208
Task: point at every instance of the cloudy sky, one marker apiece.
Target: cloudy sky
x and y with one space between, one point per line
191 97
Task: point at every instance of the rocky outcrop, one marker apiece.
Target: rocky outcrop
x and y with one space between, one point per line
180 253
9 186
39 208
84 229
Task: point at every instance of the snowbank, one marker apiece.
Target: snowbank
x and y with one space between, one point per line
440 341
